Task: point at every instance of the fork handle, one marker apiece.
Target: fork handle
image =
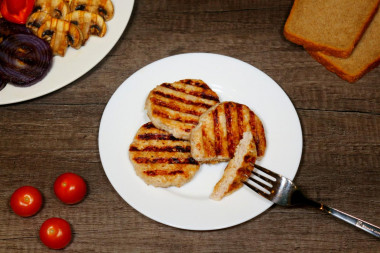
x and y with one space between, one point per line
368 227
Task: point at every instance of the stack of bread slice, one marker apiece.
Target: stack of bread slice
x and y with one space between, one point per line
344 36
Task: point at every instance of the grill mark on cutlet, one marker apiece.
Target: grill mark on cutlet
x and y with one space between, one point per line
241 174
234 185
182 149
171 160
166 116
193 93
205 144
148 125
195 83
182 100
154 173
239 110
245 171
230 135
218 140
174 107
153 136
252 123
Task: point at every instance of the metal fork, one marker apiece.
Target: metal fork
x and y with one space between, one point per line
284 192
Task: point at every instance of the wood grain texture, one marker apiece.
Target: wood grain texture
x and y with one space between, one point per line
42 138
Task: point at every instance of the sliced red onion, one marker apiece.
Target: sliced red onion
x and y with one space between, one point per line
25 59
3 78
9 28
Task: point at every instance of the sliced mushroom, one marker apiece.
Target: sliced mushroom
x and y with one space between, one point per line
37 19
89 23
60 34
56 8
103 8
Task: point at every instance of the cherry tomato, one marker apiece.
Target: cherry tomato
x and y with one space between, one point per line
70 188
26 201
16 11
55 233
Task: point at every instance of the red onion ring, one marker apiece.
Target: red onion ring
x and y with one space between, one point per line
8 28
3 80
25 59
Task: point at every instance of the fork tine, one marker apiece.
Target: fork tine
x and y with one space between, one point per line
270 173
268 188
262 177
258 191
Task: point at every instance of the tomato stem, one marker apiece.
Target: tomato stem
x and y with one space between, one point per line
51 231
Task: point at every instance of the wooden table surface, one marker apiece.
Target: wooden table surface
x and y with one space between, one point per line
56 133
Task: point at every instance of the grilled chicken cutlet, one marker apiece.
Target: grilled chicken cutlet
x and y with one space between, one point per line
238 169
160 159
221 128
176 107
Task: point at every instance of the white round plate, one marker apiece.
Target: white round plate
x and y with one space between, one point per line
189 207
76 62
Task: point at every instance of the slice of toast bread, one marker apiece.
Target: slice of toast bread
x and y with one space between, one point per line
364 58
331 26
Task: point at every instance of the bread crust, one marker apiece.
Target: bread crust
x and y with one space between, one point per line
328 49
339 71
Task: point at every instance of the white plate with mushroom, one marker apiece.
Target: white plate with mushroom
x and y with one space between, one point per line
75 63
